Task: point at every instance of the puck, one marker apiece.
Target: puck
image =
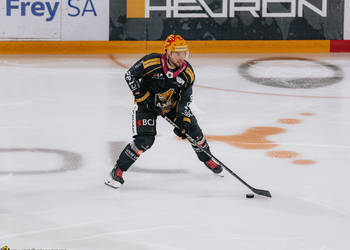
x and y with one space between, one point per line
249 196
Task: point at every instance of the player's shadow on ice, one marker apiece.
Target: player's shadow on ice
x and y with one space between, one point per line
158 171
116 147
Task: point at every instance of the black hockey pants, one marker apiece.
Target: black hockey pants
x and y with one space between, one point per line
144 130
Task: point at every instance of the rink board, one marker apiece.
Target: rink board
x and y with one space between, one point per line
105 47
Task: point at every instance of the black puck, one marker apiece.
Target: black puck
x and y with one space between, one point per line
249 196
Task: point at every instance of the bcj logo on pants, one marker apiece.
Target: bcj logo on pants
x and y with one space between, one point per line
145 122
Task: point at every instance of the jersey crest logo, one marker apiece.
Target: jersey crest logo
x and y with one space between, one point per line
165 100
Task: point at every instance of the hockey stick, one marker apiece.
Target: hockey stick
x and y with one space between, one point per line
193 142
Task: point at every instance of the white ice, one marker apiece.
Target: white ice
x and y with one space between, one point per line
170 201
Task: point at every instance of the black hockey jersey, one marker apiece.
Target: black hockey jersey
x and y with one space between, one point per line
170 90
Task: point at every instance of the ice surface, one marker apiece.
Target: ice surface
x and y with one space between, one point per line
76 111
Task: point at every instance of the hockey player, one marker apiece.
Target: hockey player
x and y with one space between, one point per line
162 86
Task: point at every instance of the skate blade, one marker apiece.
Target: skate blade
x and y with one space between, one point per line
113 184
220 174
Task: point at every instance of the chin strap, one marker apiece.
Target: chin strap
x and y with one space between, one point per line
168 73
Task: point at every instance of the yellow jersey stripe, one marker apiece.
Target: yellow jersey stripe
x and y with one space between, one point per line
151 71
185 76
151 62
190 73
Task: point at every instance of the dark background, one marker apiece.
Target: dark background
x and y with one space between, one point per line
242 27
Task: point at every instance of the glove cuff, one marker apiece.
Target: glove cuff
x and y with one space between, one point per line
141 98
182 119
186 119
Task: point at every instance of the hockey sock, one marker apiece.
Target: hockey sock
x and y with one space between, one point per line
129 155
201 155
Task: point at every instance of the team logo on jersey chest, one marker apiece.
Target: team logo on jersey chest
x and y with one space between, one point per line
165 100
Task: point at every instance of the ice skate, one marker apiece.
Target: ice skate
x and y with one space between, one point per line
116 178
213 166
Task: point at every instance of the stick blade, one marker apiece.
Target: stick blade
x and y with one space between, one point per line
262 192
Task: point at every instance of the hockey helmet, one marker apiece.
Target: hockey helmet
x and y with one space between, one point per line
175 43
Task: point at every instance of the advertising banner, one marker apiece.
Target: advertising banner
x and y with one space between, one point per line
20 19
85 20
347 21
227 19
54 20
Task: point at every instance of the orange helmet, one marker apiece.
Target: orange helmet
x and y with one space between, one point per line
176 43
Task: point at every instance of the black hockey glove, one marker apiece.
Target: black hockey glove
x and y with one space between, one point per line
144 101
184 124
